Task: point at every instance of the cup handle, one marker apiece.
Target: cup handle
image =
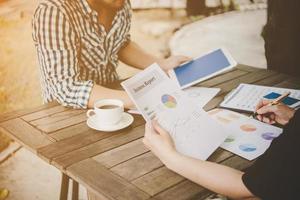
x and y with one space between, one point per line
88 114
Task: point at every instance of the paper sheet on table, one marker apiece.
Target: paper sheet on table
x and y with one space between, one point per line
246 96
249 138
201 95
156 96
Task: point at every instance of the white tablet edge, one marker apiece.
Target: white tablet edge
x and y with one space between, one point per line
230 59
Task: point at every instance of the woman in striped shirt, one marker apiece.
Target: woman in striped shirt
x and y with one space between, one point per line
79 43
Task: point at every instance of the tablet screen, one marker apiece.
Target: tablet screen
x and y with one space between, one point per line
201 67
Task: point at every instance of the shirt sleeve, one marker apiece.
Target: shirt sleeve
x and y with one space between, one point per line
128 18
275 174
56 43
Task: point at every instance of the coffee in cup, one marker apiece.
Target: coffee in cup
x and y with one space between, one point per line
107 111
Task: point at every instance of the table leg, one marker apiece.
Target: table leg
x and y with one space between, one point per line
75 190
64 187
92 196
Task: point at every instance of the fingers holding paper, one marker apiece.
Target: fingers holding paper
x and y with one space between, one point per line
159 141
272 114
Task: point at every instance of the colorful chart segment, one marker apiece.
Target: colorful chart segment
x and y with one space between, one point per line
268 136
169 101
248 127
229 139
247 147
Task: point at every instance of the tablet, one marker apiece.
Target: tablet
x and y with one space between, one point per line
202 68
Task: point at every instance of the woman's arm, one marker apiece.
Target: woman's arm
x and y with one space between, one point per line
133 55
215 177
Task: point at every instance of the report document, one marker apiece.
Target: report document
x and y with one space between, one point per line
158 97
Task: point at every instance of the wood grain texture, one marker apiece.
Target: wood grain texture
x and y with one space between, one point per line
222 78
69 131
82 127
59 121
64 187
103 182
117 165
138 121
44 113
19 113
73 143
121 154
237 162
137 166
246 68
25 134
185 190
248 78
57 117
288 84
220 155
157 180
120 138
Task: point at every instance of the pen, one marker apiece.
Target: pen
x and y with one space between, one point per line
274 102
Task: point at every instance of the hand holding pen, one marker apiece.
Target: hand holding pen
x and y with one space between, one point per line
272 111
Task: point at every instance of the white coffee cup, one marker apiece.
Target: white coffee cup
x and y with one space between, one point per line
107 111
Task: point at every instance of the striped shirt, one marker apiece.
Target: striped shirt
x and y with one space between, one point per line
75 51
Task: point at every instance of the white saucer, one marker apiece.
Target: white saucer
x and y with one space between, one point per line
126 120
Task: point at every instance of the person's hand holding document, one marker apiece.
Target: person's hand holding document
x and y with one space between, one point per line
157 97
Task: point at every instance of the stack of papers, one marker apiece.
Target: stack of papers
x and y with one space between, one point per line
197 133
157 97
248 138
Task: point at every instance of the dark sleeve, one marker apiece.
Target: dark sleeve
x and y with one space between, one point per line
275 174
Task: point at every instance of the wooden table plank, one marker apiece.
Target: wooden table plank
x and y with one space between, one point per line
82 127
212 82
288 84
137 166
122 137
44 113
56 124
62 147
70 131
160 179
249 78
237 162
84 154
121 154
20 113
103 182
183 191
157 181
25 134
57 117
247 68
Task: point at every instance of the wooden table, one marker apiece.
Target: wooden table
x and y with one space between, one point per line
117 165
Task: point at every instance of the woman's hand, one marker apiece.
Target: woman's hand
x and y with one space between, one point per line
172 62
271 114
159 142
